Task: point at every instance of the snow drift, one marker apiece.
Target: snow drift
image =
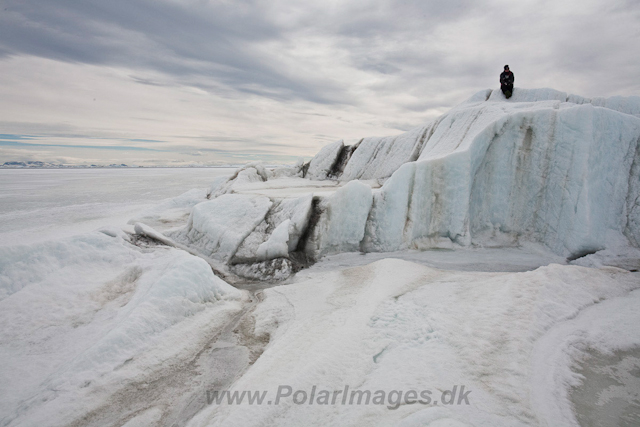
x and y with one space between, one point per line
87 318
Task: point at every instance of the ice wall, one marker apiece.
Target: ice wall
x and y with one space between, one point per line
544 166
380 157
496 172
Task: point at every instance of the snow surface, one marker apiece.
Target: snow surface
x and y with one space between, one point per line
278 243
525 258
44 204
608 327
219 226
287 187
395 325
172 213
86 317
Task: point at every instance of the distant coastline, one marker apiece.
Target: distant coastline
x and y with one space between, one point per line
46 165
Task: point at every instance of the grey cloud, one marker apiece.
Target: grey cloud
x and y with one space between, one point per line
183 41
220 40
36 128
18 143
379 20
150 82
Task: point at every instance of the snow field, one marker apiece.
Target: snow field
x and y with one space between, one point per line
173 213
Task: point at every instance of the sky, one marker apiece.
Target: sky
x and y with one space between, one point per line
177 82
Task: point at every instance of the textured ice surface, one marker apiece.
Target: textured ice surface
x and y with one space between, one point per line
380 157
171 213
501 172
247 174
98 332
394 325
608 328
84 318
287 172
497 172
541 167
218 227
277 245
295 212
341 227
321 164
609 392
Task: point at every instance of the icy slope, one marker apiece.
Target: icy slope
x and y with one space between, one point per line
379 157
88 320
394 326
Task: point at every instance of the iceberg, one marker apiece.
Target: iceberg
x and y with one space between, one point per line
543 167
561 174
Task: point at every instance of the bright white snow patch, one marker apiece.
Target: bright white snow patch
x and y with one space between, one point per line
278 243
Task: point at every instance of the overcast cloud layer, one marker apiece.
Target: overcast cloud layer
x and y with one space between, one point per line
176 82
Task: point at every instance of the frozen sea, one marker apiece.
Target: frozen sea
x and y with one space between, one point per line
42 204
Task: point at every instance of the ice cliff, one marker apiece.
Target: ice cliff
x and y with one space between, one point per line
543 166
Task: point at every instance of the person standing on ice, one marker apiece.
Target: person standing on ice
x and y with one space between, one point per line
506 82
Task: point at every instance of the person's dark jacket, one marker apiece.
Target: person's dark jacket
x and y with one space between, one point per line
507 78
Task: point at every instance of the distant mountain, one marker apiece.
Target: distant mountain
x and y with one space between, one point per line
38 164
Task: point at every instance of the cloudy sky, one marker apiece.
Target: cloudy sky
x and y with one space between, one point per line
228 81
